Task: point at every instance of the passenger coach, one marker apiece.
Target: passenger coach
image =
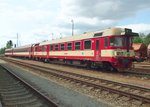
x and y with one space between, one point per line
23 51
9 52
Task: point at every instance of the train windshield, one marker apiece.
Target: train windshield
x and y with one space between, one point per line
120 41
116 41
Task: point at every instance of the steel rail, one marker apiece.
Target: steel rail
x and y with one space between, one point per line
99 86
49 102
84 76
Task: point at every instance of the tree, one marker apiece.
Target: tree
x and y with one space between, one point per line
138 40
9 44
147 39
2 50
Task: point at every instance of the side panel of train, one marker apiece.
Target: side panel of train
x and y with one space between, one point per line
19 52
25 52
9 52
94 50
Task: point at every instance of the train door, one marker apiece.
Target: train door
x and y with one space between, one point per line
31 52
47 50
43 51
97 49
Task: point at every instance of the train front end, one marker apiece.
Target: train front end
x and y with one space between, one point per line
123 52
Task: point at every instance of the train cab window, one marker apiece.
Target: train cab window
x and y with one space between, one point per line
56 47
51 47
106 42
62 46
87 44
69 46
77 45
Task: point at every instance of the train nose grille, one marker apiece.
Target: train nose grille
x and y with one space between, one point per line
124 62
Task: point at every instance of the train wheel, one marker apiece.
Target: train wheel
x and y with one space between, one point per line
88 65
107 66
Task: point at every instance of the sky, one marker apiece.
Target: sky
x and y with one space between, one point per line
39 20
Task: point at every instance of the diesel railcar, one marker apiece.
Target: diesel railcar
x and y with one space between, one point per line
110 49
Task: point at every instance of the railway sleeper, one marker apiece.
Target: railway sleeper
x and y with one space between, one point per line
13 92
11 89
16 98
16 95
21 103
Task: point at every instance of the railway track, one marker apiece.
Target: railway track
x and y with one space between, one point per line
132 92
137 74
15 92
141 74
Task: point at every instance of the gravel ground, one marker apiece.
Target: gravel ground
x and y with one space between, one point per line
108 76
62 95
0 104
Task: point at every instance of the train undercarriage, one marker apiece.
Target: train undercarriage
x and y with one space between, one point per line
104 65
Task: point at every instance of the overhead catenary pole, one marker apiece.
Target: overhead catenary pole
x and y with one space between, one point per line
72 27
60 35
52 36
17 39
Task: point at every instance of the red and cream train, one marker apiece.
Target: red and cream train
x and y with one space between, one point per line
110 48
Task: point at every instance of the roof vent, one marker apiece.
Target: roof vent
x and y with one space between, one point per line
98 34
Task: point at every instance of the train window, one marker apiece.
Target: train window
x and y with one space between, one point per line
87 44
97 44
69 46
36 49
25 50
62 46
98 34
117 41
41 48
106 42
45 48
56 47
77 45
51 47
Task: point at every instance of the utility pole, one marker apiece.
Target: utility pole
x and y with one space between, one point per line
17 39
52 36
60 35
72 27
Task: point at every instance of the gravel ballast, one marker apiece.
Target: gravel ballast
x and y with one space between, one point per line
103 75
63 96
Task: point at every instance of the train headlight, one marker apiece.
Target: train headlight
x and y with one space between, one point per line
119 53
128 54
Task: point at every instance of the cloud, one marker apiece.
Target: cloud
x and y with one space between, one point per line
37 20
141 27
97 14
24 20
103 9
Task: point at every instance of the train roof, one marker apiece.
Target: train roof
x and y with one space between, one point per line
8 49
25 46
88 35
